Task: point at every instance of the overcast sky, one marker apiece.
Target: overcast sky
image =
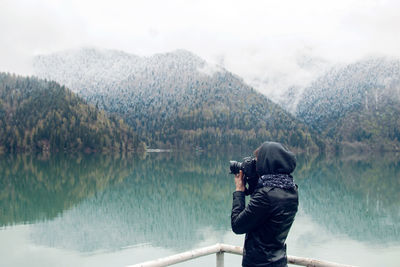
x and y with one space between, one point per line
272 44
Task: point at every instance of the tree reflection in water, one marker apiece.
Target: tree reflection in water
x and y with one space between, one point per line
97 202
38 187
357 196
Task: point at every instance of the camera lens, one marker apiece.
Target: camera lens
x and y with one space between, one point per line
235 166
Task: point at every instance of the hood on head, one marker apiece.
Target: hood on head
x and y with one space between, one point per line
273 158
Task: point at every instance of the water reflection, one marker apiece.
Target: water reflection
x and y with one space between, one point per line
354 196
36 188
164 202
92 203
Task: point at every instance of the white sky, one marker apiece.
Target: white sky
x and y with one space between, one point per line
262 41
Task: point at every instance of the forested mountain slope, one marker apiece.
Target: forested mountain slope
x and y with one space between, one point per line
41 115
358 103
175 99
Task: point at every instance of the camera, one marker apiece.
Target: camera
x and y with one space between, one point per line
250 176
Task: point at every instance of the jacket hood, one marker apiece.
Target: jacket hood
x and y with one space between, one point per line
273 158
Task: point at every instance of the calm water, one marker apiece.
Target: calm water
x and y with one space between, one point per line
101 210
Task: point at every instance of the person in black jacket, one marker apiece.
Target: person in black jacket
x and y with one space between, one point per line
267 218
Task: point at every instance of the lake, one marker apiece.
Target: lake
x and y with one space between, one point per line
116 210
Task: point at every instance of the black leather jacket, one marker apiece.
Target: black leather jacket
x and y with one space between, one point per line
266 221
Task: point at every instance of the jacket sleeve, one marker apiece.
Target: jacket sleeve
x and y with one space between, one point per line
245 219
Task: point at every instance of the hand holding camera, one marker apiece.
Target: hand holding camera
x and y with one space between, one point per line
245 174
239 182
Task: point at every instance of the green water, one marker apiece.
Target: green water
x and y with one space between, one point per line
113 210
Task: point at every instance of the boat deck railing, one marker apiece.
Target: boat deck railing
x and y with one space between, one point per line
220 249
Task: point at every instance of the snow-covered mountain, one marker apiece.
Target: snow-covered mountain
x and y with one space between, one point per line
359 102
92 71
174 99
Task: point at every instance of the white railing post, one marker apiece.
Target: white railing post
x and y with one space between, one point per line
220 259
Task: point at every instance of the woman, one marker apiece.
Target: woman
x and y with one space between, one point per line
267 218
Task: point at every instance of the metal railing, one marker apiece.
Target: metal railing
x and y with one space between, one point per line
220 249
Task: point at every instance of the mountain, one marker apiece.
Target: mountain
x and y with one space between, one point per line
41 115
356 104
175 99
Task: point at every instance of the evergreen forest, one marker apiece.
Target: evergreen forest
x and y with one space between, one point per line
40 115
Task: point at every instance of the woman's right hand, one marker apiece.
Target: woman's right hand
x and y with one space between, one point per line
239 181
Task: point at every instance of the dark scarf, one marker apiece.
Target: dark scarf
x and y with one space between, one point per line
284 181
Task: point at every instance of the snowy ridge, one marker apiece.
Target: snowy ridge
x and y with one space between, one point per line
343 89
97 67
99 70
356 103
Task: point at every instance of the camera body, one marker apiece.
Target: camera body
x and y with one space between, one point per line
250 176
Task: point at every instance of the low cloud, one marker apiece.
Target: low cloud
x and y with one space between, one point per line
271 44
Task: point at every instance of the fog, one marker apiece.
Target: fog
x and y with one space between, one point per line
271 44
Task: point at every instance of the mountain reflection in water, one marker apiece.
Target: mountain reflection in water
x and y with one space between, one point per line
354 196
38 187
96 202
